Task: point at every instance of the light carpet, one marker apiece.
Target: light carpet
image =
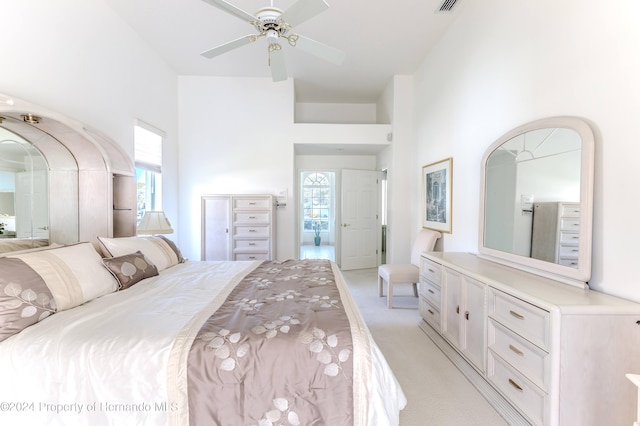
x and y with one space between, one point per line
437 393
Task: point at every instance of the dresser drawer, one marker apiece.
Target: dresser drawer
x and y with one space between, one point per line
569 210
569 238
251 256
522 393
250 245
257 217
528 359
430 291
252 203
430 270
251 231
569 224
572 263
430 313
530 321
569 251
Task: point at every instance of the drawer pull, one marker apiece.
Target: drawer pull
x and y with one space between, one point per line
515 385
516 350
430 311
517 315
432 271
252 257
458 309
466 315
252 244
252 204
431 291
252 230
252 217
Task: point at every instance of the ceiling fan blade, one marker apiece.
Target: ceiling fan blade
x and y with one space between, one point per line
224 48
277 65
303 10
229 8
320 50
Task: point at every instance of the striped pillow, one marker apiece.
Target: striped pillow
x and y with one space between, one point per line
159 250
73 273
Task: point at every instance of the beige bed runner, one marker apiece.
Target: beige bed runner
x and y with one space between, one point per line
278 351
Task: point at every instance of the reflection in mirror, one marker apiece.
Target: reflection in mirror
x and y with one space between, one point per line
536 205
24 210
529 172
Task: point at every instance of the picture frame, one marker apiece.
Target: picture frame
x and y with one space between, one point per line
437 180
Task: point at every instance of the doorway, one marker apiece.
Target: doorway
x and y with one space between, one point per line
317 214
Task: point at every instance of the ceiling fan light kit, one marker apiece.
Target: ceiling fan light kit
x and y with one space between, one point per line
273 24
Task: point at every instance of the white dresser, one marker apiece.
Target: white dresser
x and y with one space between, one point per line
542 352
238 227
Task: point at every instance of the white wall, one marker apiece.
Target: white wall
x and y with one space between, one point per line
78 58
505 63
235 138
306 112
403 191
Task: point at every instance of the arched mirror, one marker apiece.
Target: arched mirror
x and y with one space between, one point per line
60 181
24 194
536 203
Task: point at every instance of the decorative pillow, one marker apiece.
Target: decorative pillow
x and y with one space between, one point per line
130 268
174 247
73 273
25 298
156 249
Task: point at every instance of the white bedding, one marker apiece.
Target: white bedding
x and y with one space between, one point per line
121 359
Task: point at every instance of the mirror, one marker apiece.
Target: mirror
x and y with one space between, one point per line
536 199
88 178
24 195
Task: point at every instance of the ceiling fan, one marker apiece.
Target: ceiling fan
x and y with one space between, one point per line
274 25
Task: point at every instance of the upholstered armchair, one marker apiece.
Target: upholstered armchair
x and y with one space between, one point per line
408 273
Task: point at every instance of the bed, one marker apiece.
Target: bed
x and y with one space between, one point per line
138 335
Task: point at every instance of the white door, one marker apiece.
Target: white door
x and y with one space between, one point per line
216 221
360 223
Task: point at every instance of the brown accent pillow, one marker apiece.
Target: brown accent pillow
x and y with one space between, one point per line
130 268
25 298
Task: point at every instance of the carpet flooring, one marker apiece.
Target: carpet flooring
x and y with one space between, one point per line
437 393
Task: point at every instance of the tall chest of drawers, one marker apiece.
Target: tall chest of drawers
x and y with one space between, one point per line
556 232
552 354
238 227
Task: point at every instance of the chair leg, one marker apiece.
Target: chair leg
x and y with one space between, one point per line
415 289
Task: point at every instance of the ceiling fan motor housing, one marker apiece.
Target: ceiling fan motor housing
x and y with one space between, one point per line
270 24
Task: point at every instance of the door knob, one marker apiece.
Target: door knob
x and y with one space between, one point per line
344 225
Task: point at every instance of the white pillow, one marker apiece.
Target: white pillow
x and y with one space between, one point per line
74 274
161 251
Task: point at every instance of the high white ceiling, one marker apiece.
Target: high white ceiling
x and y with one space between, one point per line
380 39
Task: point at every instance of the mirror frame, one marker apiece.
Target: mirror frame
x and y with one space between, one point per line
574 276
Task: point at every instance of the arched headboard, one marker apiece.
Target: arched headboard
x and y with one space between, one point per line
91 179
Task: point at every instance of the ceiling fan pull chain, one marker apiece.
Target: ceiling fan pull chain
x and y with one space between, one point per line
272 47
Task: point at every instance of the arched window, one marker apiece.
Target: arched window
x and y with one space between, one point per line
316 189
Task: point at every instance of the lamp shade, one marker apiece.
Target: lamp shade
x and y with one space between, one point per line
154 222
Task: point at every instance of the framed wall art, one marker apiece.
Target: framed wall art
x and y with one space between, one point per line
437 179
